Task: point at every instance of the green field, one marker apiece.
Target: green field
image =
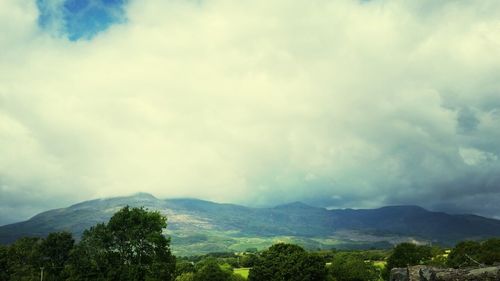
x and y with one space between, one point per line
242 271
380 264
210 241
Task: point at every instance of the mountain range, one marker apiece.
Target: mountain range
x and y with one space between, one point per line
198 227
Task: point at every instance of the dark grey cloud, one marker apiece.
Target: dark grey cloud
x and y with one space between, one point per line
467 120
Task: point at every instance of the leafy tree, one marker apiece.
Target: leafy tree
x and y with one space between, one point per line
4 258
464 254
130 247
211 271
406 254
248 260
24 259
55 250
352 267
183 267
490 251
288 262
92 258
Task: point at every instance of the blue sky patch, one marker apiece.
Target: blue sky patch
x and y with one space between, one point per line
80 19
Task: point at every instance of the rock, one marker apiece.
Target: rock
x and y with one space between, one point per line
486 273
399 274
427 273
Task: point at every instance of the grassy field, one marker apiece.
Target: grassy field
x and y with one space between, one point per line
242 271
380 264
211 241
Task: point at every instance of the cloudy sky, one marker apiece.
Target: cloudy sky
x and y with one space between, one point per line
336 103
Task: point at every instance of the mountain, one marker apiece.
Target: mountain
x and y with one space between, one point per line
198 226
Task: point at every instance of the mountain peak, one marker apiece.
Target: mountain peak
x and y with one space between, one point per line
405 207
143 195
294 205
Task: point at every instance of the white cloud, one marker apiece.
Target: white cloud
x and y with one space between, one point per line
251 101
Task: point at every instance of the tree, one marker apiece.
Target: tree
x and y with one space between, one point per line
248 260
490 251
4 258
352 267
55 250
465 253
130 246
211 271
92 258
182 267
288 262
406 254
24 259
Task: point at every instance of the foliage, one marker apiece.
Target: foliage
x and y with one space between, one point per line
55 251
211 271
130 247
470 253
24 259
248 260
187 276
490 251
352 267
464 254
183 266
406 254
288 262
237 277
4 258
439 257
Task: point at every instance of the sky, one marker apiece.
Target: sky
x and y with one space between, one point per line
340 104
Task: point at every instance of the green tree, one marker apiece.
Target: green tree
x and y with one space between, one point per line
92 258
130 246
490 251
352 267
183 267
248 260
288 262
211 271
464 254
4 258
55 250
24 259
406 254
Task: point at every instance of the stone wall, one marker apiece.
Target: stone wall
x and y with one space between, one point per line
427 273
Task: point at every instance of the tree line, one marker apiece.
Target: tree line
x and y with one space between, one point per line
132 246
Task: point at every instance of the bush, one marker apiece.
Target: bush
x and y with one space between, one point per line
211 271
288 262
407 254
188 276
464 254
352 267
490 251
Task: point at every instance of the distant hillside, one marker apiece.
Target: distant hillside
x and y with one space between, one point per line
198 226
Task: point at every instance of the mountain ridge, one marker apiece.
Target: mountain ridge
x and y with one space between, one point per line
200 226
